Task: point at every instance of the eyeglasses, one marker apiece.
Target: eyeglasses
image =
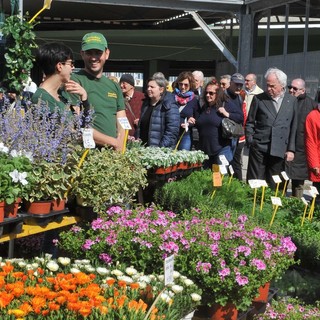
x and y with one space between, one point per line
210 93
68 63
294 88
182 84
223 84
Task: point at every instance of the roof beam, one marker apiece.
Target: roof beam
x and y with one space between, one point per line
215 39
183 5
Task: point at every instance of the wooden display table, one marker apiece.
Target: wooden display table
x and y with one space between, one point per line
31 229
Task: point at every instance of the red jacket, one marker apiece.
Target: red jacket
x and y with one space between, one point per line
312 143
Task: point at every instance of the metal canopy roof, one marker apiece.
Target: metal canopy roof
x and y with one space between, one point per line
128 14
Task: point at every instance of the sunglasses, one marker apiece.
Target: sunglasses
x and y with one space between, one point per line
293 88
210 93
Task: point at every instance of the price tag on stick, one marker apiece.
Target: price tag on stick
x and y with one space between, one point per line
276 203
168 270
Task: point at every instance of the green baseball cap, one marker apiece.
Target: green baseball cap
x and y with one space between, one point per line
94 40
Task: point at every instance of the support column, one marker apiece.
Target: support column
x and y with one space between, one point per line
245 43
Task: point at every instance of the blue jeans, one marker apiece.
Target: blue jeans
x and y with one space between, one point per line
226 151
185 143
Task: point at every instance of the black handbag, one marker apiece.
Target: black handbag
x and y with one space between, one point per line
231 129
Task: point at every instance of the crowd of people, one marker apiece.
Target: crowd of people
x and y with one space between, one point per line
282 131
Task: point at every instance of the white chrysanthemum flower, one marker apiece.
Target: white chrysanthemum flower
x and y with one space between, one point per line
195 297
188 282
102 271
74 270
35 265
41 260
29 266
83 261
176 288
176 274
89 268
117 272
145 279
161 278
183 277
165 297
52 266
131 271
22 264
48 256
64 261
142 284
126 279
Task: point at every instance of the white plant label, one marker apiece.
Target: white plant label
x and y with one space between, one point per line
263 183
314 189
124 122
276 201
285 176
224 160
305 202
254 183
87 138
231 170
276 179
223 169
168 270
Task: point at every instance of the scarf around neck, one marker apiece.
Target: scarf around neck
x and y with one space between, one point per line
183 98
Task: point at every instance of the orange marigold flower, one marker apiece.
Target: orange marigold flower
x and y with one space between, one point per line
53 306
121 301
40 280
5 299
73 306
26 307
110 282
134 286
103 309
8 267
38 302
85 311
17 274
82 278
45 312
122 284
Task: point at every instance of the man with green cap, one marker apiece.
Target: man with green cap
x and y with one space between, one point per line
104 95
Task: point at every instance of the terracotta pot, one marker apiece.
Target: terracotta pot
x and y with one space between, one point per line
263 293
11 210
2 204
228 312
58 204
182 166
39 207
163 170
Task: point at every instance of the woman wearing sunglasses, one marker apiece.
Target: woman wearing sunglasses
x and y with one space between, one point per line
217 105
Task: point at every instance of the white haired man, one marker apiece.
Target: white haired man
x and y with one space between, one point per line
271 129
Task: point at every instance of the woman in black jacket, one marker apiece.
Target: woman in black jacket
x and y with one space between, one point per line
217 106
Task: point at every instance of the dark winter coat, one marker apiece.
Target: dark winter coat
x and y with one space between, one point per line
297 169
164 122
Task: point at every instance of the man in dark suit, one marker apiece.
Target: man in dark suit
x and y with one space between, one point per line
271 129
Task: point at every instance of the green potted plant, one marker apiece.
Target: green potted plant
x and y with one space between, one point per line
107 177
15 173
50 181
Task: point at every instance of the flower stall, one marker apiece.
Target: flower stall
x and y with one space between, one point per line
44 288
229 258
